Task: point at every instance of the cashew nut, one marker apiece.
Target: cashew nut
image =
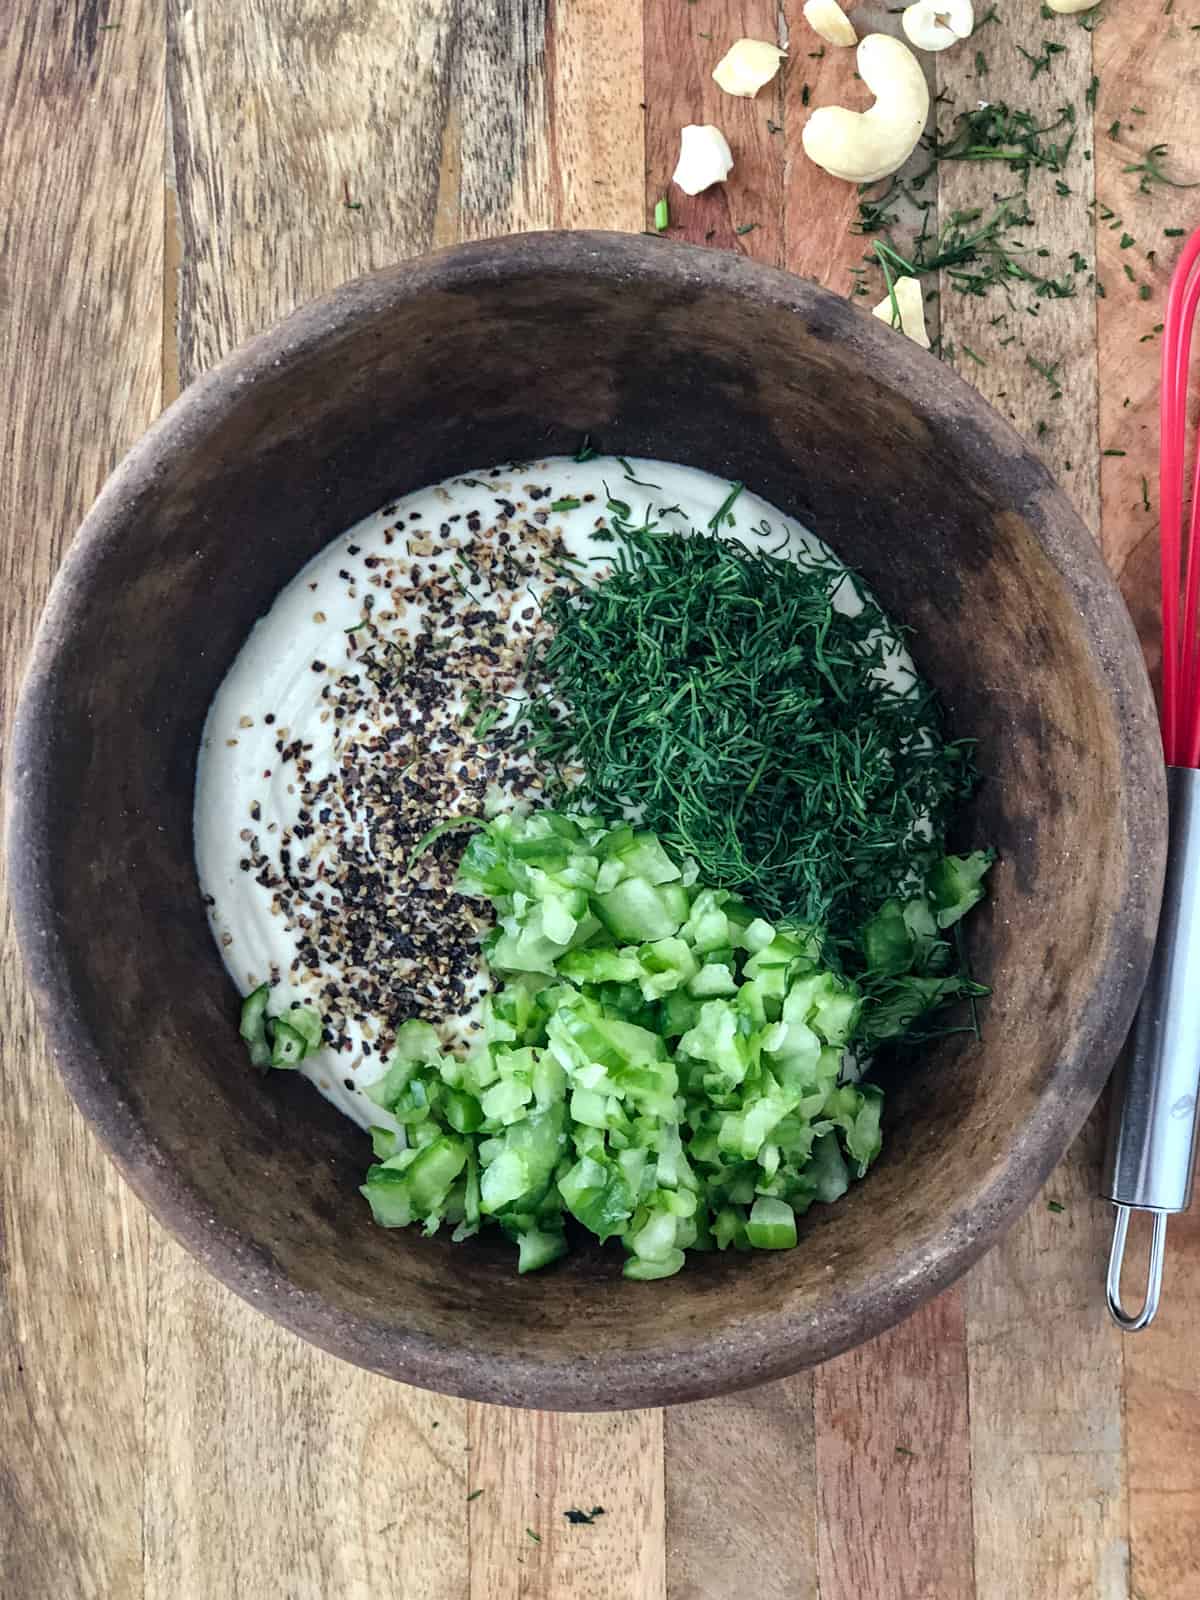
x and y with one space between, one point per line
828 19
937 24
704 158
861 146
1065 7
910 303
747 66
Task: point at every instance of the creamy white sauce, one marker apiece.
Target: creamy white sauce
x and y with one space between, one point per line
242 788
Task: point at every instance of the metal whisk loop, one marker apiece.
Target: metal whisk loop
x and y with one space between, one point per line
1131 1322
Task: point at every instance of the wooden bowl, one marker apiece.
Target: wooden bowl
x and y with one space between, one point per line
514 349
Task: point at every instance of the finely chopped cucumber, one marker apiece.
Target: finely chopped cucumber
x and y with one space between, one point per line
659 1065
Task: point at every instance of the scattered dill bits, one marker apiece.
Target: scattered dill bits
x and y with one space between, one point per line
580 1518
1050 373
724 512
1150 168
1041 63
1143 291
474 1495
1174 233
662 216
805 95
535 1537
981 65
903 1450
1112 452
721 692
1114 130
1145 493
1129 272
1126 240
777 127
567 503
585 451
1055 1205
746 227
967 351
1093 88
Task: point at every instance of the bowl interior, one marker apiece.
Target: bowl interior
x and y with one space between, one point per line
514 351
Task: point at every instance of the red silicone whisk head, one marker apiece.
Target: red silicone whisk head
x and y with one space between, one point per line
1180 563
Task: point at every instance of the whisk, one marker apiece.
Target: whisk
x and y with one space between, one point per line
1152 1137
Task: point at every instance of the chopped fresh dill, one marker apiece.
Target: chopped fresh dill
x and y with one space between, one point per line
748 720
567 503
628 471
723 514
1150 167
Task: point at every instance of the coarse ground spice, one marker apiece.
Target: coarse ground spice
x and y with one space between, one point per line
448 615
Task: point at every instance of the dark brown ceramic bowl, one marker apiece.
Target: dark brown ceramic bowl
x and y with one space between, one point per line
509 350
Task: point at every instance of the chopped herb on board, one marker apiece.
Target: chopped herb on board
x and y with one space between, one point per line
746 227
567 503
535 1537
474 1495
580 1518
1150 168
1145 493
1055 1205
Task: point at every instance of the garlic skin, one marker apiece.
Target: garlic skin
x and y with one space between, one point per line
747 66
937 24
828 19
704 158
911 304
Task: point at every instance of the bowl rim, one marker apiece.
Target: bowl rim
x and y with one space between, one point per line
785 1341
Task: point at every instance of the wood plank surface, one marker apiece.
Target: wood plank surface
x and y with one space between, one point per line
80 280
1151 61
159 1438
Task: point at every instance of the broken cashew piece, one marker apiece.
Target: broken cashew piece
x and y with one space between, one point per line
861 146
747 66
1066 7
828 19
937 24
704 158
911 305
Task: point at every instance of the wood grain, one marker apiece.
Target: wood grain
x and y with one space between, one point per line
1045 1363
893 1463
741 1511
80 279
275 1470
529 1469
1149 60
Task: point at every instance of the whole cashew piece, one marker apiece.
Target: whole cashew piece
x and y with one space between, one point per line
1065 7
861 146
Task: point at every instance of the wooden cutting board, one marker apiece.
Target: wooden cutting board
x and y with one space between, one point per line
173 177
